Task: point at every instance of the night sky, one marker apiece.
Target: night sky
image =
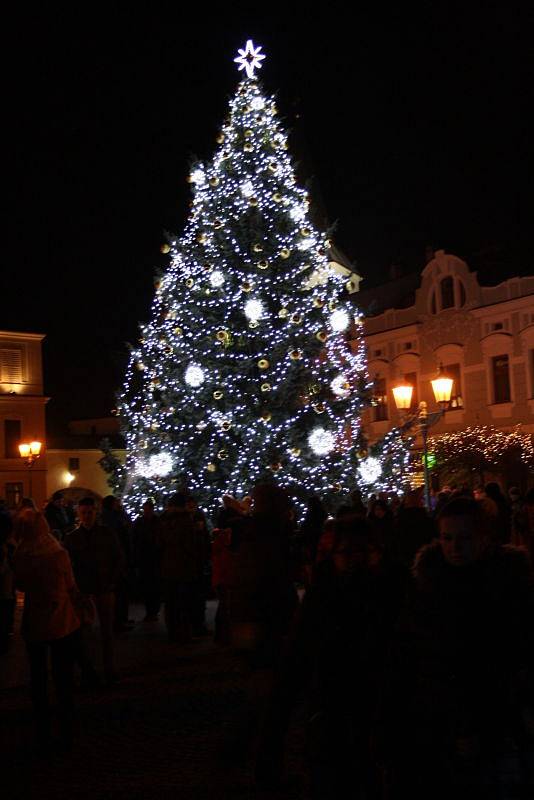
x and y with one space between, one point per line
412 127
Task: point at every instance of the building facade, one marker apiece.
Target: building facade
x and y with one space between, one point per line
22 417
482 335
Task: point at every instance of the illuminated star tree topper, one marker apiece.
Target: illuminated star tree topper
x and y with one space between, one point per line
250 58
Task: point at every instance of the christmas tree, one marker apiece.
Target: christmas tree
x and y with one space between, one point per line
245 372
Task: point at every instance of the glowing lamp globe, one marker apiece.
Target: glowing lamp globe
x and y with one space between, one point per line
194 376
321 441
340 386
160 464
339 321
370 470
24 450
442 387
402 395
253 310
35 448
217 278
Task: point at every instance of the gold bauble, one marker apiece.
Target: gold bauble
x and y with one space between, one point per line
155 381
201 238
362 453
248 133
315 388
257 248
283 313
319 408
265 387
211 467
272 166
157 285
178 331
263 363
305 232
318 303
275 466
217 394
189 283
253 324
253 201
295 451
226 425
263 264
277 197
214 181
328 243
222 454
246 287
221 336
217 223
336 487
295 355
322 336
220 138
168 350
332 305
247 147
165 248
266 416
285 252
141 366
296 319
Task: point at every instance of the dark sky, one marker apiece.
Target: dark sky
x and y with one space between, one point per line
414 127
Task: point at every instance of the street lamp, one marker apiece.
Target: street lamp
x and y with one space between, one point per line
402 394
30 451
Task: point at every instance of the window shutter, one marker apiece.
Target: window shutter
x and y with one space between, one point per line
11 366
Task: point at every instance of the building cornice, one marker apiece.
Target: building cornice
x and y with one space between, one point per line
22 336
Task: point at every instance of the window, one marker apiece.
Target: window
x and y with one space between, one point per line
377 353
13 493
461 292
12 433
408 345
74 464
381 400
501 379
447 292
10 366
456 401
433 303
411 380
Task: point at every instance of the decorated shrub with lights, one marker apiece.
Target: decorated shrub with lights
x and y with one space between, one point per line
244 372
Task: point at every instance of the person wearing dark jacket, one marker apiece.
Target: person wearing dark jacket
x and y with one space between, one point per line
57 517
98 563
413 528
181 568
460 679
146 529
114 517
337 651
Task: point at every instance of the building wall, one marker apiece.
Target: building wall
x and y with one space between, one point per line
89 476
483 323
22 400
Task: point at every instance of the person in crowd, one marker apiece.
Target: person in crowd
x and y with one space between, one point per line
25 504
50 622
146 529
98 563
504 524
203 544
524 525
181 568
413 528
460 682
337 651
358 507
115 518
381 522
7 583
56 516
311 529
221 560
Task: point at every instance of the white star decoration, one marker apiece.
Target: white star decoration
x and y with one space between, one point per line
250 58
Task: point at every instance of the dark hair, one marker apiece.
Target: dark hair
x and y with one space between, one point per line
87 501
149 503
178 500
108 502
493 490
57 496
460 506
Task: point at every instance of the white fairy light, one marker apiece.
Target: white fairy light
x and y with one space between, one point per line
198 176
217 278
257 104
194 376
247 189
297 213
253 310
339 386
339 320
370 470
321 441
250 58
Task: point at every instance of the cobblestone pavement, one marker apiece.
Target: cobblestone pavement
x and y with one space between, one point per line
163 732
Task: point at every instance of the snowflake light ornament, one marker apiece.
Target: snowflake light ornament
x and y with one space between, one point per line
370 470
250 58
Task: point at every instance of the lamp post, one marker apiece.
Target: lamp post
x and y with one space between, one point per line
30 452
402 394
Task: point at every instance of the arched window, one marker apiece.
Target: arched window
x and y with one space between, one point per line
447 292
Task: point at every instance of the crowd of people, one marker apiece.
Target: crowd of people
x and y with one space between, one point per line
409 632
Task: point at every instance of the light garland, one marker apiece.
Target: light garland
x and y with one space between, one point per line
485 445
